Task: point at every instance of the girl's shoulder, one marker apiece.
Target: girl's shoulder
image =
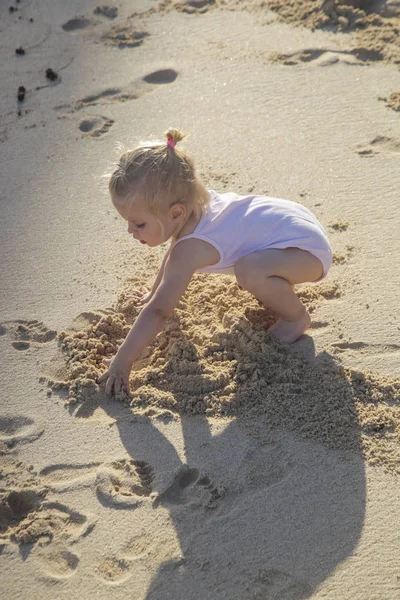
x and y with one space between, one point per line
195 250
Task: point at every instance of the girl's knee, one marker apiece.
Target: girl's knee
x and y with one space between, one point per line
246 271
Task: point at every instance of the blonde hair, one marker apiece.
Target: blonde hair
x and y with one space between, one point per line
160 174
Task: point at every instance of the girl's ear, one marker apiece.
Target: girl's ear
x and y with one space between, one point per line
178 211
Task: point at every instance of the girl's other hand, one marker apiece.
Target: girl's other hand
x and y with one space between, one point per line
116 376
140 297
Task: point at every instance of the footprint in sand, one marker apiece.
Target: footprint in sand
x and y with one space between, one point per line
153 547
66 477
162 76
195 6
49 521
120 483
77 24
133 91
120 36
18 430
124 483
266 466
145 550
325 57
379 144
58 562
24 333
191 487
110 12
278 585
124 37
95 126
27 517
112 569
85 319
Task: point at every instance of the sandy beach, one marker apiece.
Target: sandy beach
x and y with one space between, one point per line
241 468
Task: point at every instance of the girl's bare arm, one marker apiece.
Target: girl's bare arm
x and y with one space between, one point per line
178 270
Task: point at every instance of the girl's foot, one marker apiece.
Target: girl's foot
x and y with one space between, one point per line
290 331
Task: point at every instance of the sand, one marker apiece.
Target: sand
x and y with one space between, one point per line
240 468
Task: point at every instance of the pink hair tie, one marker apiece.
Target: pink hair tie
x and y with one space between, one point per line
171 142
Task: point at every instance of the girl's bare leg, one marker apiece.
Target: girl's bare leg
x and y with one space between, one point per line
270 276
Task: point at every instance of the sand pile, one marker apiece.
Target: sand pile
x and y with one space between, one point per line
215 357
377 24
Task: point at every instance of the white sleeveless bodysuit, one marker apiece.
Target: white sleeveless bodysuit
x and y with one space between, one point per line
239 225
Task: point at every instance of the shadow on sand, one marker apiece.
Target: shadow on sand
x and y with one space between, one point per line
260 512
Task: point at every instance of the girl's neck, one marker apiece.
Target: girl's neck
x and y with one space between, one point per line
190 224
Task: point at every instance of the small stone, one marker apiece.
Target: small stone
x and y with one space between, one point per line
51 75
21 93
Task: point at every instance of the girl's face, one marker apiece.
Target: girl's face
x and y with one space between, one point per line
145 226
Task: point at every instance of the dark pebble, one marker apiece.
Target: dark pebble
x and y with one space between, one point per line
51 75
21 93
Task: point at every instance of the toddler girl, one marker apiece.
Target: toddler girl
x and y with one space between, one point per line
267 243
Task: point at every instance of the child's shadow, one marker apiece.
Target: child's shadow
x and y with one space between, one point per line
259 513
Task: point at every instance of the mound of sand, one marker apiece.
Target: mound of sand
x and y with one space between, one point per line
215 357
377 23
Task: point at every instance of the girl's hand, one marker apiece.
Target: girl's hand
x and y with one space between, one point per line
117 375
140 297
